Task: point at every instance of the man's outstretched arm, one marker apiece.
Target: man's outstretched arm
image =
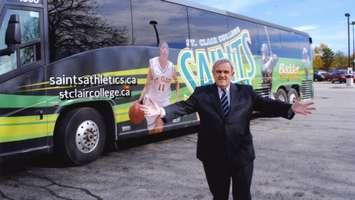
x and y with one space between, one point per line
173 111
303 108
275 108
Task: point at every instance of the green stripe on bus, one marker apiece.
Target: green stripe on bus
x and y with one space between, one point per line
28 123
14 139
27 119
24 132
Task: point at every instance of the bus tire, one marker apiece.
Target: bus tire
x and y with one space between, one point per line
292 96
281 95
81 136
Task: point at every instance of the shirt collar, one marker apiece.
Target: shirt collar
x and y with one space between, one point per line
220 90
227 89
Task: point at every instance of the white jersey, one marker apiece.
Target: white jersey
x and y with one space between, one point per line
159 88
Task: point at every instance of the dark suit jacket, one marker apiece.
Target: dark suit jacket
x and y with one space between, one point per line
226 139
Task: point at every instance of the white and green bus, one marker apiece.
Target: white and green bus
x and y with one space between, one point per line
70 70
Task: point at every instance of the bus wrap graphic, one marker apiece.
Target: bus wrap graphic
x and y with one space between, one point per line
196 60
39 108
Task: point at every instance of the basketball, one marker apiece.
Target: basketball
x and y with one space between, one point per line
136 115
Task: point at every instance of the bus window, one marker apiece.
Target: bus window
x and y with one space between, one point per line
293 44
288 44
271 38
30 39
30 31
205 24
30 54
165 14
250 27
78 26
7 63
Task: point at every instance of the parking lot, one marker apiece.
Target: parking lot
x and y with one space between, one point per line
310 157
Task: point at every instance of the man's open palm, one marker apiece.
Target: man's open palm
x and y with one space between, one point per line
302 108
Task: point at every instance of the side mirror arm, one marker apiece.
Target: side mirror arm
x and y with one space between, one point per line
6 52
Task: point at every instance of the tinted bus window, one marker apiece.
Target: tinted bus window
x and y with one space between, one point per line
205 24
171 23
275 36
30 31
90 24
270 38
252 29
290 44
303 46
306 51
29 21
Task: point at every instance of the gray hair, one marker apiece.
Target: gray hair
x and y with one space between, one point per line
163 43
222 61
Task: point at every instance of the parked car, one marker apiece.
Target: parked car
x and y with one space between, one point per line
339 76
321 75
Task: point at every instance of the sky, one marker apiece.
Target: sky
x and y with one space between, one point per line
323 20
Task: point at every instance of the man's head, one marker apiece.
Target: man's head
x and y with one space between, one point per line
164 50
222 73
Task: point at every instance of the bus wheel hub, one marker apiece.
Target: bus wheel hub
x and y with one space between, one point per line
87 136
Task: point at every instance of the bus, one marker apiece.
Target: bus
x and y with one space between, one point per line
71 70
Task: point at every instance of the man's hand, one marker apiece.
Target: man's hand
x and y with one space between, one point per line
302 108
151 108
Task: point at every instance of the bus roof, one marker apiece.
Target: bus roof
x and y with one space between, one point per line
231 14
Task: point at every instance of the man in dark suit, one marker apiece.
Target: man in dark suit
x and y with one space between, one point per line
225 145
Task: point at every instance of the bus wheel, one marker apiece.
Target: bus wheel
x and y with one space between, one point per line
281 95
292 95
81 136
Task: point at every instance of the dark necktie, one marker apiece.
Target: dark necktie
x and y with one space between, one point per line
225 104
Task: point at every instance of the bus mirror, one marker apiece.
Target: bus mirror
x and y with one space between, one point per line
310 40
13 35
13 31
154 24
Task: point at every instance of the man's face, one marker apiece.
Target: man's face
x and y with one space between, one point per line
222 75
164 51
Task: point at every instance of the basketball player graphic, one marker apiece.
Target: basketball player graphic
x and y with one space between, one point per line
268 59
306 58
158 85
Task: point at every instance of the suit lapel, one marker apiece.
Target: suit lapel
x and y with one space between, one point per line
235 96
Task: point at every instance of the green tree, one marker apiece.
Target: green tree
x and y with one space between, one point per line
327 58
317 62
317 56
340 60
74 26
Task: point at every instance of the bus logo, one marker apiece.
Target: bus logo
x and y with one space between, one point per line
196 60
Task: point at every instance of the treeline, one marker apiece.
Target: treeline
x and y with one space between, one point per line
324 58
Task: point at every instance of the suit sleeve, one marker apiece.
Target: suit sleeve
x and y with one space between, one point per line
271 108
182 107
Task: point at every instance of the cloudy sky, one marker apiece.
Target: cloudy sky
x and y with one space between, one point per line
324 20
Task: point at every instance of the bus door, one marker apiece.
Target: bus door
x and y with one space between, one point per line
23 121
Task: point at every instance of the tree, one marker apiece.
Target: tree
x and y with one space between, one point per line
317 62
75 27
317 54
327 58
319 50
340 60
